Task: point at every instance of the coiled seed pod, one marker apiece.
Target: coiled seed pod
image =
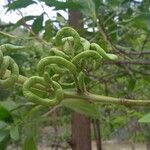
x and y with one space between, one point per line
60 62
85 56
5 63
46 81
82 82
85 44
10 47
66 32
55 60
55 51
103 53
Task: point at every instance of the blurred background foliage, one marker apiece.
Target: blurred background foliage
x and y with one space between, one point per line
121 27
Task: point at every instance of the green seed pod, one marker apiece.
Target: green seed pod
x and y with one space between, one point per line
8 62
10 47
103 53
50 82
66 32
55 51
57 63
43 63
85 43
58 92
4 65
67 48
1 57
81 81
86 55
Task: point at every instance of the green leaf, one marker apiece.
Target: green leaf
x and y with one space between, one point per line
145 119
61 5
48 34
8 104
83 107
3 135
14 133
2 124
37 24
131 85
5 114
4 140
29 144
19 4
60 19
24 19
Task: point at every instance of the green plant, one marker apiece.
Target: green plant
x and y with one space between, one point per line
72 69
62 79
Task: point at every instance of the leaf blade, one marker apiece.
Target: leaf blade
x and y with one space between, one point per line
83 107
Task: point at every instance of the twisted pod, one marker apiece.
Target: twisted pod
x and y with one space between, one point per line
102 52
84 44
78 54
52 99
85 56
7 62
66 34
44 90
55 51
10 47
60 62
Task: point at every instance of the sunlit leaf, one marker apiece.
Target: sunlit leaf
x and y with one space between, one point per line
14 133
83 107
60 19
145 119
8 104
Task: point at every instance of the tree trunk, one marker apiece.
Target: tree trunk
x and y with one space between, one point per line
81 132
97 134
148 145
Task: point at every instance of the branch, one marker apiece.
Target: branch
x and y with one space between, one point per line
14 37
88 96
21 81
132 51
106 100
125 62
119 48
31 31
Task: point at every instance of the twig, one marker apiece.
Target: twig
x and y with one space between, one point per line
31 31
124 62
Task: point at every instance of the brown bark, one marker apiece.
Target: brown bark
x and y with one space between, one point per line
81 135
81 132
148 145
96 127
